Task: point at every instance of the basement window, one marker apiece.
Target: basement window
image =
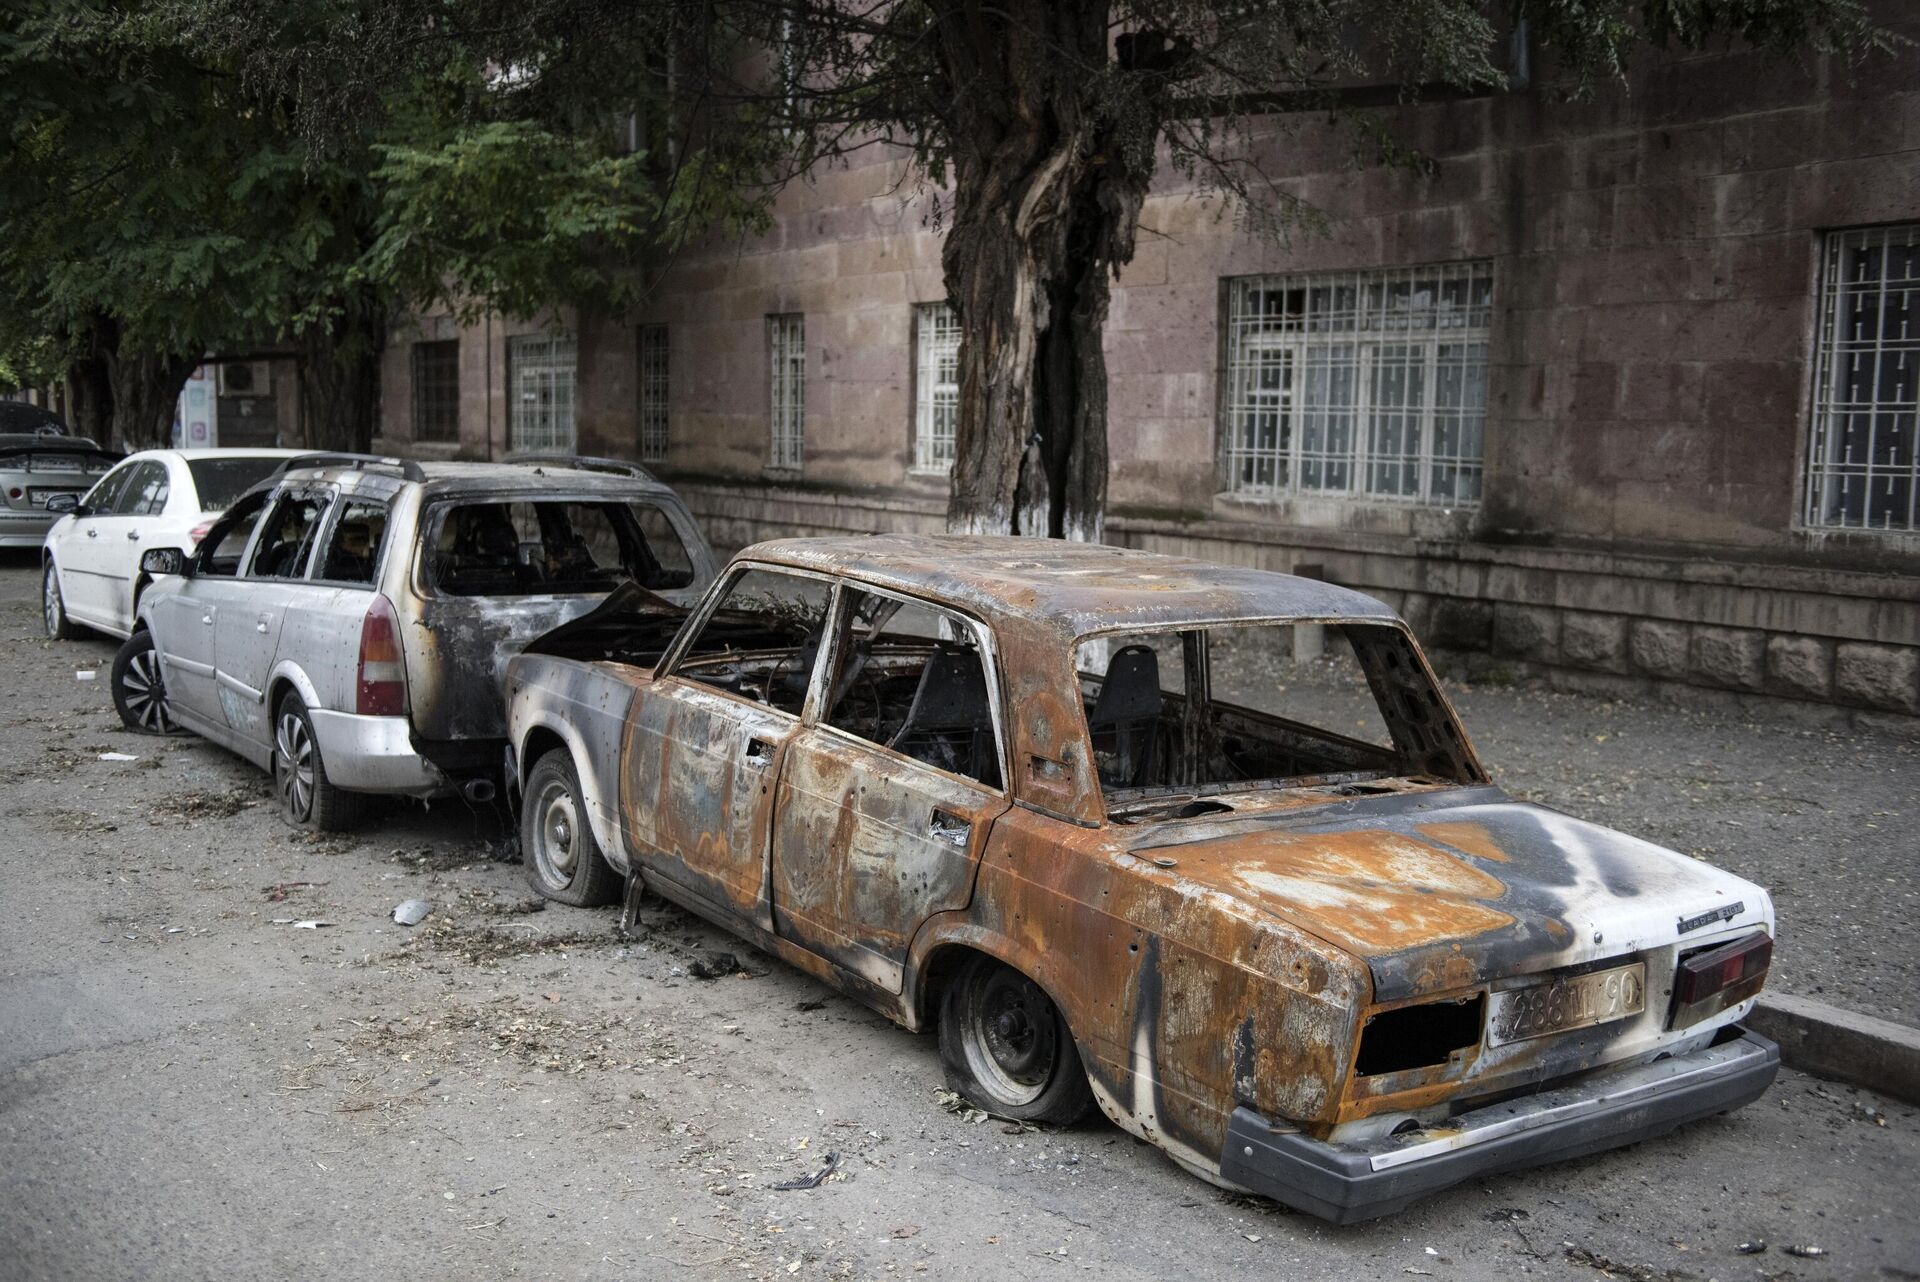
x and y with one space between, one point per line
1419 1036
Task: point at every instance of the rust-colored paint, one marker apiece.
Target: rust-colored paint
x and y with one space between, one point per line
1472 838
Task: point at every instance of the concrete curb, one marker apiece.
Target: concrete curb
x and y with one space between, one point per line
1826 1041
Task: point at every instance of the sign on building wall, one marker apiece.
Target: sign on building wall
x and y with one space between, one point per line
196 414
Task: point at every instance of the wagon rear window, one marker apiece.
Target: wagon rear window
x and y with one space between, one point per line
1210 711
509 548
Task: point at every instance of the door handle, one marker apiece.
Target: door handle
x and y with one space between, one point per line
92 533
759 753
134 535
207 618
949 827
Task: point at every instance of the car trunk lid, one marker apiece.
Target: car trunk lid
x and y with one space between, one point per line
1441 891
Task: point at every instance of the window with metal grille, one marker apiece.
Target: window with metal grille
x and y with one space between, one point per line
1863 470
1370 383
936 393
653 393
787 352
540 376
436 390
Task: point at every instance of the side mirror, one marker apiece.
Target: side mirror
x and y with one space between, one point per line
163 561
65 504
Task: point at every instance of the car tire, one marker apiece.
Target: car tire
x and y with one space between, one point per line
53 607
563 859
308 799
1007 1048
140 688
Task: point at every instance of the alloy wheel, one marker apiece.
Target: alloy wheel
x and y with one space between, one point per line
146 693
294 767
50 601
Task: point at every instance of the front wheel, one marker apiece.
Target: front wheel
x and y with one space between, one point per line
140 687
53 607
1007 1049
308 799
564 862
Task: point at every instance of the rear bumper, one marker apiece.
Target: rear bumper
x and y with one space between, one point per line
25 529
374 754
1349 1182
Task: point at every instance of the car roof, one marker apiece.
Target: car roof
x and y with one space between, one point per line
450 479
236 451
1072 588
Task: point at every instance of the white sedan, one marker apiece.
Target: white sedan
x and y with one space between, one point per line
156 498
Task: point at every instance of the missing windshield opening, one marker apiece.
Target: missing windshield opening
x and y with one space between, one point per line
1419 1036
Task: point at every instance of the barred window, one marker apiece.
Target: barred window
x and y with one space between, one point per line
936 393
1863 470
653 393
1371 383
436 390
787 352
540 375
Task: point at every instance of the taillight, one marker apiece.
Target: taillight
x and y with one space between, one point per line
16 492
199 532
383 669
1713 979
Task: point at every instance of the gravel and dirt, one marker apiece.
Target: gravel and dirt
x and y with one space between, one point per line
200 1080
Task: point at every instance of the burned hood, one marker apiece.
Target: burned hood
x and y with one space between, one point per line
625 604
1443 891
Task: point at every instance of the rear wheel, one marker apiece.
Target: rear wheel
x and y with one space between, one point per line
564 862
53 609
1007 1049
140 687
307 798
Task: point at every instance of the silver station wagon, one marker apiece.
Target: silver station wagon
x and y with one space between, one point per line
346 627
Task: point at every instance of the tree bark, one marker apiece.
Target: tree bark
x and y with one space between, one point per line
340 376
1048 184
144 387
90 391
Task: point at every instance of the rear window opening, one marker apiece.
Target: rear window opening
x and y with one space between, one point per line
1419 1036
219 482
558 547
1183 716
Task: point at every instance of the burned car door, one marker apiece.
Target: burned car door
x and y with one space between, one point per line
885 803
501 570
704 747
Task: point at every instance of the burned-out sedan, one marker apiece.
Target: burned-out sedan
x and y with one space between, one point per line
1206 846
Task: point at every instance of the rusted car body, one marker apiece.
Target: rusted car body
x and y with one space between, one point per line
1349 974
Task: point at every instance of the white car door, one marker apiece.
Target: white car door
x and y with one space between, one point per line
86 551
141 506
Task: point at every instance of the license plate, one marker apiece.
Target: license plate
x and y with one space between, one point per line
1580 1001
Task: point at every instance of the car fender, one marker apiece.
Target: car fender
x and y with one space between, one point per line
286 673
542 692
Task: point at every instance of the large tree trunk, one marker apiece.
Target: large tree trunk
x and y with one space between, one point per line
340 377
1047 193
145 389
90 391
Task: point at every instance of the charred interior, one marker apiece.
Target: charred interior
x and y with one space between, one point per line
1178 716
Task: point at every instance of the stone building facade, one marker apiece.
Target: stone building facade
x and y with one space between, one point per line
1622 392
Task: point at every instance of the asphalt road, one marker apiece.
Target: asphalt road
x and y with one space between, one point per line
193 1086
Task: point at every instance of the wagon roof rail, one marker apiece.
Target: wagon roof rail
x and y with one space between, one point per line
584 462
358 462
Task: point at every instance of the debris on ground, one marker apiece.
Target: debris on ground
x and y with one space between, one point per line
1805 1251
811 1181
715 966
1755 1247
312 923
207 805
84 674
412 912
956 1103
812 1003
118 756
504 851
279 890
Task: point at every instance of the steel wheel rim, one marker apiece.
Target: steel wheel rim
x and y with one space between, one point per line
50 601
556 834
294 770
145 693
1010 1037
